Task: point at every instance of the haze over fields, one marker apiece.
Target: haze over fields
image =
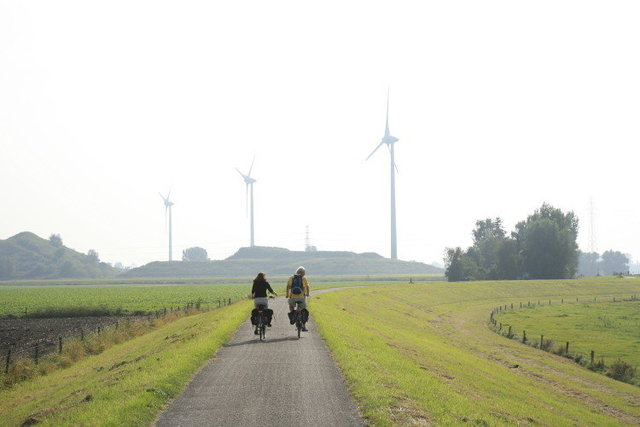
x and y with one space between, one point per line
498 106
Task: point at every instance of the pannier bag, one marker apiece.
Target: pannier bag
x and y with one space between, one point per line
268 313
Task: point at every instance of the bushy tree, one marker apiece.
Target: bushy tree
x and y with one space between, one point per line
588 263
56 240
547 241
542 247
195 254
614 263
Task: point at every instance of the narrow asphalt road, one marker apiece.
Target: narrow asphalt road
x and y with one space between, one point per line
283 381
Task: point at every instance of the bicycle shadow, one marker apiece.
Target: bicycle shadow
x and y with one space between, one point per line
266 341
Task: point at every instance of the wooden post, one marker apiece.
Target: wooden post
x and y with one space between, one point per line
229 301
549 302
500 326
37 355
219 304
59 344
541 340
509 331
520 305
117 324
562 301
511 306
524 336
614 299
566 350
592 356
81 335
6 366
576 299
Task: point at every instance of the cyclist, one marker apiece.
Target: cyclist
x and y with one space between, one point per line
297 292
259 295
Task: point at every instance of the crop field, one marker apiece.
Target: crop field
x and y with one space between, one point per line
127 298
424 354
610 329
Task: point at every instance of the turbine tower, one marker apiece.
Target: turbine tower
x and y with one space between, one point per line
249 195
167 212
390 140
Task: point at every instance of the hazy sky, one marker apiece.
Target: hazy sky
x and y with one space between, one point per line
499 106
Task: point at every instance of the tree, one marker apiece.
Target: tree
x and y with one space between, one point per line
547 241
195 254
508 260
588 263
56 240
92 257
461 266
614 263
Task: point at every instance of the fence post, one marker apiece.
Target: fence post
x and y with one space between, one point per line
509 331
592 356
567 348
520 305
562 301
229 301
81 335
511 306
37 353
59 344
6 366
541 340
117 324
500 326
549 302
524 336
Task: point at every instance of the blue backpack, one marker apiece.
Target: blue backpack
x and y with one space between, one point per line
296 285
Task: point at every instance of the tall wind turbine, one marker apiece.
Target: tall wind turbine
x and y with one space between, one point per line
167 213
249 195
390 140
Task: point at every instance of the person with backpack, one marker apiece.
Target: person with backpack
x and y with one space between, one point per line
297 292
259 295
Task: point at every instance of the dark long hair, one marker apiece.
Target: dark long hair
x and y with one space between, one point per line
260 278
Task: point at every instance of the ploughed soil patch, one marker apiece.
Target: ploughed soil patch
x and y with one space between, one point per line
22 334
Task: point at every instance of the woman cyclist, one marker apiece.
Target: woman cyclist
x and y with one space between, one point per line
259 295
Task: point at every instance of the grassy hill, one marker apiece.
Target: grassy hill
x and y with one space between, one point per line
279 261
27 256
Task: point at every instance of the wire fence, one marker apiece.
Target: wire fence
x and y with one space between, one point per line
545 343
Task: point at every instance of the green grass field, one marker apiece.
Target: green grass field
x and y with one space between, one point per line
610 329
424 354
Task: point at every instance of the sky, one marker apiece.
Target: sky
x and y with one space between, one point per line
498 106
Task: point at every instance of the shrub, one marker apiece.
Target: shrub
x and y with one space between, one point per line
621 371
546 345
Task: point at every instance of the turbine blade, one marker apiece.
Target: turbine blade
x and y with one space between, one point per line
241 174
394 162
376 149
386 129
251 168
169 194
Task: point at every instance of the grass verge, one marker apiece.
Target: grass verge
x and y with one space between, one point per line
424 354
127 384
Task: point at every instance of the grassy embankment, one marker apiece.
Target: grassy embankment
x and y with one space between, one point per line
424 353
610 329
127 384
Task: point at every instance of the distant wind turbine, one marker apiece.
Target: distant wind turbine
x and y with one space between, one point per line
249 195
167 213
390 140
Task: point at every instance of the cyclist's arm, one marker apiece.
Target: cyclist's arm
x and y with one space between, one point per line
271 291
288 294
305 283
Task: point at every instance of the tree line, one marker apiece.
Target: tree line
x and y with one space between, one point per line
541 247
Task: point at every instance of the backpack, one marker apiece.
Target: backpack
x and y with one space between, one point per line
296 285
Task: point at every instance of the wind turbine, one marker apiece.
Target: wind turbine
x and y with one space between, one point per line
167 211
390 140
249 191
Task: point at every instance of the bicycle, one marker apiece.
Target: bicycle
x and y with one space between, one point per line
261 327
298 317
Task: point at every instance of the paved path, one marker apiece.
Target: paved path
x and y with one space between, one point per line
282 381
